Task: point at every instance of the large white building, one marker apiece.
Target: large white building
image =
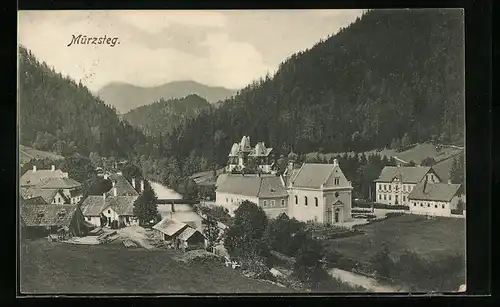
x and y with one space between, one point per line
241 153
267 191
435 199
319 193
395 183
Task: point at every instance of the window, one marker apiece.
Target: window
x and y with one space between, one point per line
315 218
282 203
435 206
305 200
88 218
389 197
109 211
421 205
442 206
385 197
265 203
296 200
389 187
227 200
379 187
385 187
414 204
336 194
337 181
380 197
428 205
404 198
272 203
316 201
127 219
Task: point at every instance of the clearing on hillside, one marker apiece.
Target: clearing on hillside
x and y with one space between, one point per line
426 236
49 268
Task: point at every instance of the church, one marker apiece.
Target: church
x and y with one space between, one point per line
309 192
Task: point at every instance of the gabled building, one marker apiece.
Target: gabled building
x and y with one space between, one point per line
36 177
319 193
38 219
395 183
267 191
104 211
435 199
242 152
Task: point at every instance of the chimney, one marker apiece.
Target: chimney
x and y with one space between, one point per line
142 186
104 197
133 183
335 162
113 183
115 191
34 168
53 168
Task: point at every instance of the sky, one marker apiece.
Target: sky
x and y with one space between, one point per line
216 48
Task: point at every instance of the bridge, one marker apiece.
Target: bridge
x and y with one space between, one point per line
166 201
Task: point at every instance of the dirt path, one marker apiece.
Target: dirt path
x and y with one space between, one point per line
368 283
136 234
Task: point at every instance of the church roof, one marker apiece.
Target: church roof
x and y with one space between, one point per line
251 185
312 175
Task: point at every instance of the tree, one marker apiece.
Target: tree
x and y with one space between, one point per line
95 159
248 228
79 169
411 163
457 173
145 206
382 262
429 161
285 235
308 266
211 231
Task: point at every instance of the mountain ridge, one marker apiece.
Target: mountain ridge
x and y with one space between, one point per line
126 96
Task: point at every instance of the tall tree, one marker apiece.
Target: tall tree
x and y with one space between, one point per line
145 206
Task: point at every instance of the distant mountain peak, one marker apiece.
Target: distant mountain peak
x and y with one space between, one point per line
125 97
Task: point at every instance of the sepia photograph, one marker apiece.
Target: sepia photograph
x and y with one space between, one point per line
175 152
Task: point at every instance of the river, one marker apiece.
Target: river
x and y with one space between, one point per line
164 192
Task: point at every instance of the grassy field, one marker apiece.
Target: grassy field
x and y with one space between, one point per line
66 268
427 237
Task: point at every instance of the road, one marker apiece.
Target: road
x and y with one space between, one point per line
164 192
368 283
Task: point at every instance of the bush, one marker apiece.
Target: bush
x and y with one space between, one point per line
366 204
393 214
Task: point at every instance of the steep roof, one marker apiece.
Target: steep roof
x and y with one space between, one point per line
38 200
169 227
443 169
312 175
32 178
61 183
93 205
252 185
123 187
409 174
34 192
434 191
188 233
47 215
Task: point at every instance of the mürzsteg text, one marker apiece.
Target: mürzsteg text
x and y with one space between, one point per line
88 40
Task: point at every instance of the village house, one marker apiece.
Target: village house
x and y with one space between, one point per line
267 191
53 186
395 183
178 234
242 152
39 219
318 192
436 199
181 213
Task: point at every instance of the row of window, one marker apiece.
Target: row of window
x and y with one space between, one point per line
315 200
273 203
387 187
428 205
385 197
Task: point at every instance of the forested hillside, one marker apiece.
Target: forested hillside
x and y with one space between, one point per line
388 74
163 116
59 115
125 97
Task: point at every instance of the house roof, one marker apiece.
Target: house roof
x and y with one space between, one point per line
443 169
34 192
123 187
61 183
434 191
252 185
38 200
188 233
31 178
169 227
312 175
47 215
93 205
409 174
220 179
